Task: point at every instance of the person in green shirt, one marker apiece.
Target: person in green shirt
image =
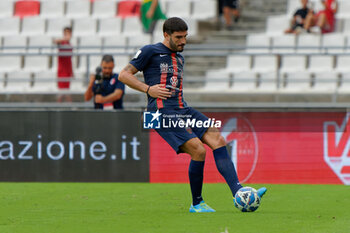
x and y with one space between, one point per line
150 14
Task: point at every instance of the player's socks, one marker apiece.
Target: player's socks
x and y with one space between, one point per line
195 173
227 169
261 191
202 207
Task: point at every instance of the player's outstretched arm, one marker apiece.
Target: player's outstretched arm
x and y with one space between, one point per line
127 76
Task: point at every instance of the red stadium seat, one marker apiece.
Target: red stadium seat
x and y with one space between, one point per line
27 8
129 8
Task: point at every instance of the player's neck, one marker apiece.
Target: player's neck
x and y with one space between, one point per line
166 44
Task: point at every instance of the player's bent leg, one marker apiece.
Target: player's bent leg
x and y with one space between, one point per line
223 161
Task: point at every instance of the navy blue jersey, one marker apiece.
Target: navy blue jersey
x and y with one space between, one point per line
108 86
160 65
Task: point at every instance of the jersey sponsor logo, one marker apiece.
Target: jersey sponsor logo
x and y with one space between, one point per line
165 68
242 140
336 146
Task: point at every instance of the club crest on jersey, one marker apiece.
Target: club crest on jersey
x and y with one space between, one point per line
174 81
112 82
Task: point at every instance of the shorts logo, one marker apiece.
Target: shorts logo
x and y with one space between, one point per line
242 140
336 145
151 120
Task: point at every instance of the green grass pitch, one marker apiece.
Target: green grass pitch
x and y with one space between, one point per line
163 208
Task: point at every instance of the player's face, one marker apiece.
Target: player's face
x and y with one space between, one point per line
107 68
177 41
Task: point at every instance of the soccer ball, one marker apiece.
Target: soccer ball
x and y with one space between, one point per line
247 199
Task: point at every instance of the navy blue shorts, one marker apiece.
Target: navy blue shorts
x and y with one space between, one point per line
177 136
234 4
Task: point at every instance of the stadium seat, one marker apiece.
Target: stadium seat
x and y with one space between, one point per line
55 26
326 81
94 60
238 63
346 26
14 41
345 82
77 9
52 9
128 9
2 81
111 41
10 63
84 27
344 9
217 81
307 44
292 6
6 9
9 26
40 41
205 9
266 69
291 63
136 42
120 62
110 26
244 81
283 44
44 82
342 63
333 40
297 81
179 8
34 63
18 81
276 25
33 26
321 63
104 8
78 83
132 26
27 8
258 43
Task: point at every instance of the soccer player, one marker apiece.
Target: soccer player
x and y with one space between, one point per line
162 66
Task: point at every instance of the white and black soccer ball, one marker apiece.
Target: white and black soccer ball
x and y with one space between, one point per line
247 199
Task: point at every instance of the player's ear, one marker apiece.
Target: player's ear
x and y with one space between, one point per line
166 35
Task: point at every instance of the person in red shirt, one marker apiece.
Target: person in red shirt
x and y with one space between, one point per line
65 68
324 19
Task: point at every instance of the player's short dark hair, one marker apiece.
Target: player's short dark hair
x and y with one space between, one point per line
174 24
67 29
108 58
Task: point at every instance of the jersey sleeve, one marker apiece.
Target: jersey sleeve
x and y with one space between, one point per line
119 85
142 57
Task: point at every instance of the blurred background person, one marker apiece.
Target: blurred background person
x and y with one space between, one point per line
230 8
105 87
324 19
298 20
151 12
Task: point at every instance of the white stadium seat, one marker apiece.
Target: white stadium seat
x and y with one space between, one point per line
9 26
132 26
45 81
258 43
77 8
6 8
33 26
14 41
276 25
84 27
333 40
179 8
205 9
217 80
55 26
18 81
238 63
283 44
307 43
51 9
104 8
110 26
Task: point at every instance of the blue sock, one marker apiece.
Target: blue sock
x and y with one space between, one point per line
226 168
195 173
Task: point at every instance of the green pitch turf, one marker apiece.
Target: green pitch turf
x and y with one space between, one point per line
163 208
